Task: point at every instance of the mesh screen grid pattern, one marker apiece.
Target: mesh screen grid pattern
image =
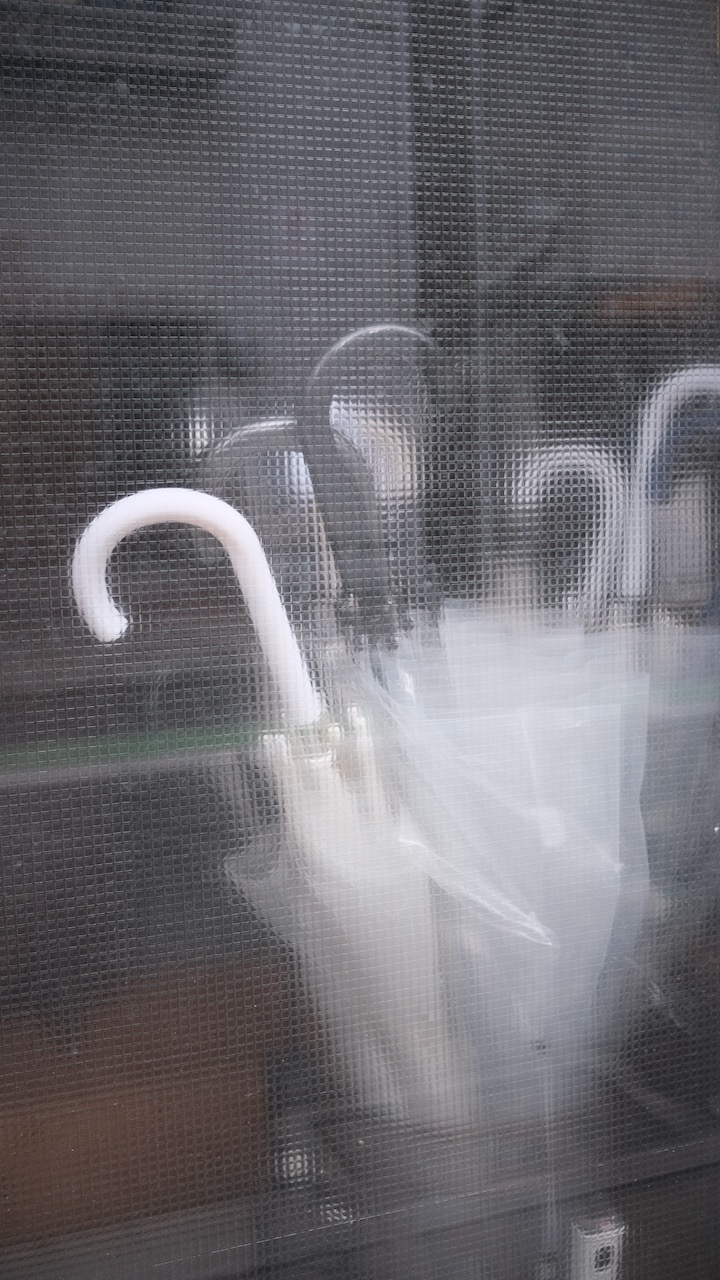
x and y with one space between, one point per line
360 609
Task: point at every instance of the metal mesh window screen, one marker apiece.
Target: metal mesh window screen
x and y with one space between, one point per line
359 395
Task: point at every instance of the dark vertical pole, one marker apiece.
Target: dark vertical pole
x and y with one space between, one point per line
446 42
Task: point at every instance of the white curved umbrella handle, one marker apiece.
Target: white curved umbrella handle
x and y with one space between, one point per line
531 487
656 418
301 702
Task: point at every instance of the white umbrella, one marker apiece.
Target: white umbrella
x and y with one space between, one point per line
346 891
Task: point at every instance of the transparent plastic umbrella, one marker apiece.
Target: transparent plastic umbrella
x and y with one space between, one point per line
682 657
521 745
345 889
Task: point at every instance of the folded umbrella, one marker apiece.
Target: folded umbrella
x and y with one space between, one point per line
345 889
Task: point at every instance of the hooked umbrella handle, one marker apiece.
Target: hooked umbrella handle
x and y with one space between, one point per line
346 495
301 702
656 417
572 459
